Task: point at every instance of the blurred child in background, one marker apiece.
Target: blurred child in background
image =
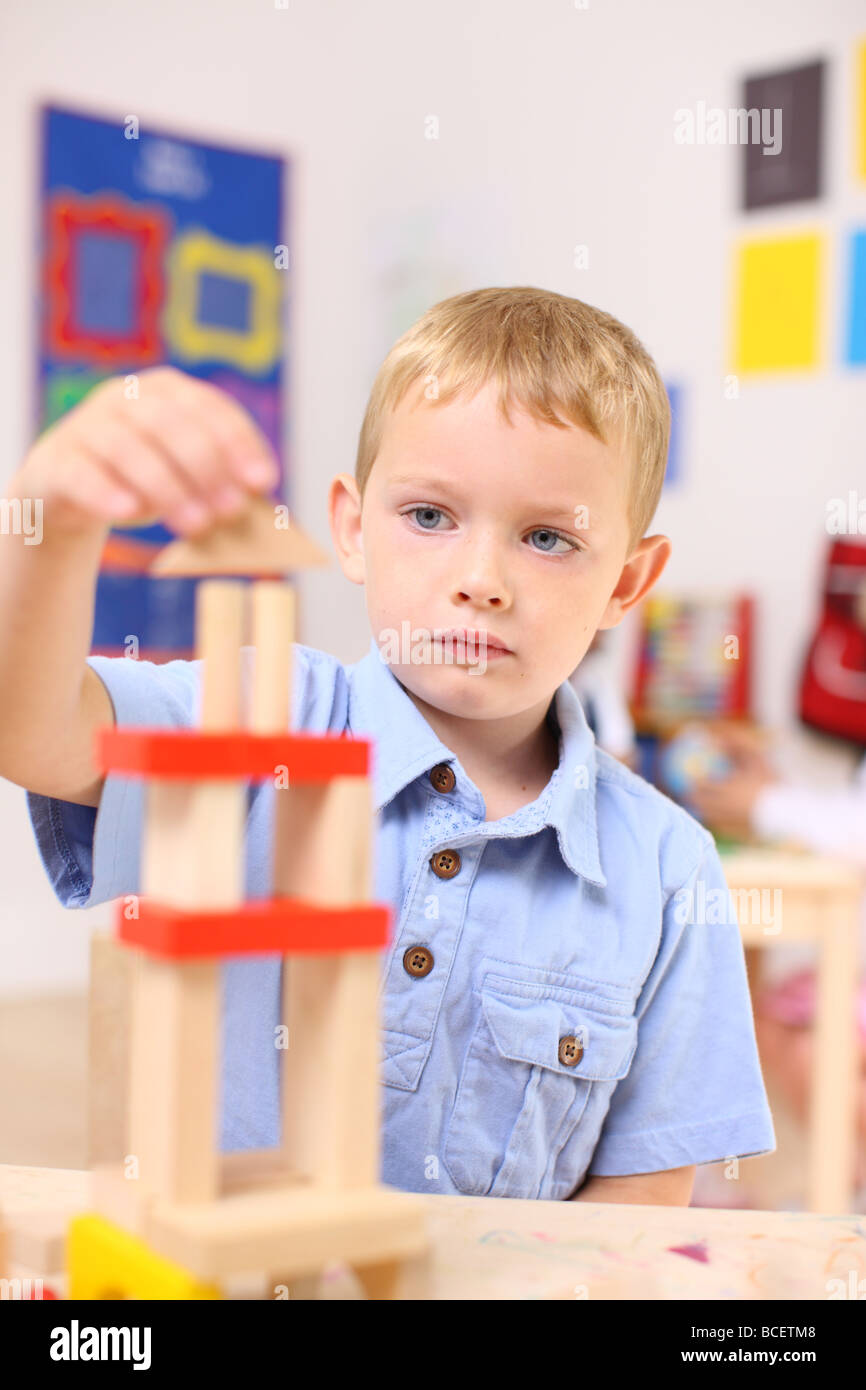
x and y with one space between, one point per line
753 800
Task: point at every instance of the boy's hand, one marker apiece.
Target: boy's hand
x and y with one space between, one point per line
181 451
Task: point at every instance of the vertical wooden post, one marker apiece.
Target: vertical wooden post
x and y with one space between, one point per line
330 1002
192 856
109 999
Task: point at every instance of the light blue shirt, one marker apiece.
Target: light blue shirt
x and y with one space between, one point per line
580 917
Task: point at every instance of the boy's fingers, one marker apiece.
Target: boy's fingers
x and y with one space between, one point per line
96 490
164 435
244 445
140 464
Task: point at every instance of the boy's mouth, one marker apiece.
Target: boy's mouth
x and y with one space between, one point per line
474 640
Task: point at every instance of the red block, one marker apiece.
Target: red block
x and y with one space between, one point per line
284 926
189 754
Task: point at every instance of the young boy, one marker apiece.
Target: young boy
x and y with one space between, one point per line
561 1014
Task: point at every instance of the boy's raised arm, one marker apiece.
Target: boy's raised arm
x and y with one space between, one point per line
50 699
160 445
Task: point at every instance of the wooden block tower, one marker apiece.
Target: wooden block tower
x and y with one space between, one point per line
174 1217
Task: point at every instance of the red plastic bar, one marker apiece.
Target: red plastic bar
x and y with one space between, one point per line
259 927
192 753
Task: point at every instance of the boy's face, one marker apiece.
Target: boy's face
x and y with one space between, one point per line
518 531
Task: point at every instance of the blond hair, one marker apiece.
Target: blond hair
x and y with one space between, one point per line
557 357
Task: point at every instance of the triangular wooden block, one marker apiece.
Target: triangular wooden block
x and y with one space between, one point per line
250 543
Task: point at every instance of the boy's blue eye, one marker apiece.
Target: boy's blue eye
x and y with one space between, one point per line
428 511
553 536
433 513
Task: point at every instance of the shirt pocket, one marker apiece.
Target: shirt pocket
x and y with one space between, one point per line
517 1104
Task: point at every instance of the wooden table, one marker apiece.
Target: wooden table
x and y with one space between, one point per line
820 902
498 1248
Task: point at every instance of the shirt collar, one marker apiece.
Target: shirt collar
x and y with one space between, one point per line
406 747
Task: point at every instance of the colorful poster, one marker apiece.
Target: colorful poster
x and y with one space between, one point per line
157 249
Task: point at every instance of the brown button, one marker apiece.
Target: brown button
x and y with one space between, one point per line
570 1050
446 863
418 961
443 778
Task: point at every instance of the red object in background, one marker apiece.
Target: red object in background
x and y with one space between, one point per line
833 683
147 230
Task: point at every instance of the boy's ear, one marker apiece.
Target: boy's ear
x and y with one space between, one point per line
639 573
344 515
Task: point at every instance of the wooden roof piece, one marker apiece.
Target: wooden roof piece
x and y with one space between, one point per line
255 542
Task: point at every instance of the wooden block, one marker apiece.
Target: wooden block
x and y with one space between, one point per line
251 543
251 1169
330 1072
121 1200
219 628
273 624
297 1232
110 1001
323 841
174 1076
192 851
192 856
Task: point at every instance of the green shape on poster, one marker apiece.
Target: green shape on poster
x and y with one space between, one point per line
63 390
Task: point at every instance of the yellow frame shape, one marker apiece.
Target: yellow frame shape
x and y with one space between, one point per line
194 252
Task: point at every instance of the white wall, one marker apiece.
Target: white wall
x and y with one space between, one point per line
556 128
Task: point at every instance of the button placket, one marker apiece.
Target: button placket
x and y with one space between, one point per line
413 991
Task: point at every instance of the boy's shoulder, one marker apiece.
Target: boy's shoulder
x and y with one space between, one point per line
664 827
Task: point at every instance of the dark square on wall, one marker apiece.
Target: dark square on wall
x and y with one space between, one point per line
795 173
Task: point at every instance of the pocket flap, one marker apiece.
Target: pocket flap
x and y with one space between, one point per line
529 1029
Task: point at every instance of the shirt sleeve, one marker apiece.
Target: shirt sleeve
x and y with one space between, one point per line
694 1092
91 854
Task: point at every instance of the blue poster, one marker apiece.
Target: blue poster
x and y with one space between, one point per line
157 249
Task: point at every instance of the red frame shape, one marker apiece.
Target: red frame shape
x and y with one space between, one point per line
284 926
193 754
67 217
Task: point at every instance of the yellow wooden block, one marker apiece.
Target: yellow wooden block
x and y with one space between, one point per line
779 294
105 1262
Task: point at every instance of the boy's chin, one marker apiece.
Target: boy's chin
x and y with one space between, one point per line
454 689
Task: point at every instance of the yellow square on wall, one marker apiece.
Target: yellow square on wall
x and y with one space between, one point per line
860 112
779 287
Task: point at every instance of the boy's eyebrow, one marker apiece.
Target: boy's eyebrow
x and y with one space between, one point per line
417 482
